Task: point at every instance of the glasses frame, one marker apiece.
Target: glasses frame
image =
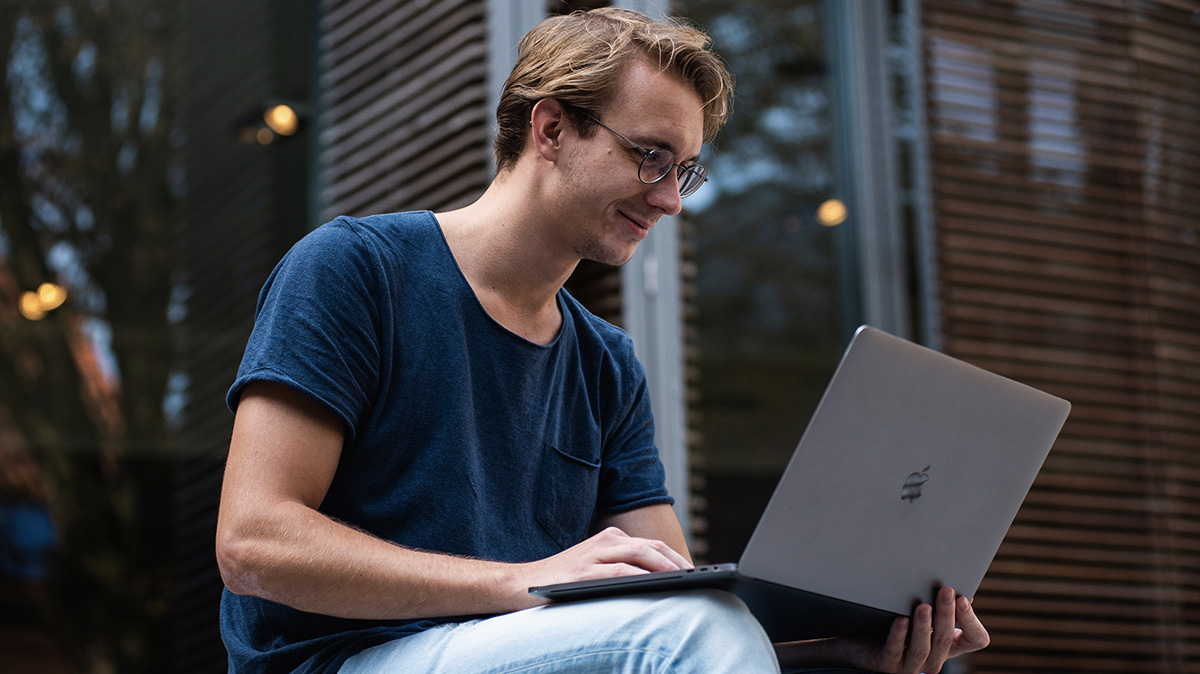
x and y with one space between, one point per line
686 187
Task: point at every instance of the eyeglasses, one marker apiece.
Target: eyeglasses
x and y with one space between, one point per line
656 164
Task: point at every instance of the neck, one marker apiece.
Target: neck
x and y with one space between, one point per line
504 245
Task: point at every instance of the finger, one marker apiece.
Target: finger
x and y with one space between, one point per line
616 536
677 561
646 554
892 654
599 571
973 636
919 639
655 555
672 554
619 569
942 639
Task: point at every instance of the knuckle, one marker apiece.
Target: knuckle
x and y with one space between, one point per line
611 535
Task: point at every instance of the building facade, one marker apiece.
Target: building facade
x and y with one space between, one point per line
1009 181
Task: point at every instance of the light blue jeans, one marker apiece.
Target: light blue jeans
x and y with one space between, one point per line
696 632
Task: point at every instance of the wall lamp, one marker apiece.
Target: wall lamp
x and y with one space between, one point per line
271 122
832 213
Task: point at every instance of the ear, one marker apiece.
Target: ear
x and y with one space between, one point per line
547 121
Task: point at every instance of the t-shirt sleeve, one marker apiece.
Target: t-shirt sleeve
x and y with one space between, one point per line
632 474
317 325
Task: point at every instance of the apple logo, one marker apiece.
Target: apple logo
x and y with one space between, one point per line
912 486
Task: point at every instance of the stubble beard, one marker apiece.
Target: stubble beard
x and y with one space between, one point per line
596 251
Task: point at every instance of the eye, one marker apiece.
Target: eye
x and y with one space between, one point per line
658 162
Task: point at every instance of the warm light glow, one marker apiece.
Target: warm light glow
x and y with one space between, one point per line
282 119
831 213
35 304
264 136
51 295
31 306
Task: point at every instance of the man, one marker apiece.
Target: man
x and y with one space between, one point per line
427 425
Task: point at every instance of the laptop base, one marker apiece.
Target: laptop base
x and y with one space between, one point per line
787 614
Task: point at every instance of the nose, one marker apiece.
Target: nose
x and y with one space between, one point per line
664 195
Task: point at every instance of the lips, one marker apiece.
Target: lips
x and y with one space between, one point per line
643 224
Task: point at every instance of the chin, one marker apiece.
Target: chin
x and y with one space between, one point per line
614 255
620 257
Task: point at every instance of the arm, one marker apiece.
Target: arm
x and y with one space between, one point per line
933 640
273 543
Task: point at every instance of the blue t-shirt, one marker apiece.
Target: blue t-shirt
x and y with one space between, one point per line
461 437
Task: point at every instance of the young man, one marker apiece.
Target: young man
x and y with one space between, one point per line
427 424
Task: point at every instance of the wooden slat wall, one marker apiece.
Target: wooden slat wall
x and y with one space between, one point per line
404 123
238 213
1065 157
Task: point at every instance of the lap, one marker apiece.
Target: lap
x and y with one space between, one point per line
700 631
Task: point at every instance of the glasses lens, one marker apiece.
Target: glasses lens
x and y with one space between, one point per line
691 178
655 165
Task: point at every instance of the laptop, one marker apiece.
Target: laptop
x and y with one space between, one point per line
909 474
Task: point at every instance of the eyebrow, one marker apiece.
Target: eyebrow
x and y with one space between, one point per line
652 143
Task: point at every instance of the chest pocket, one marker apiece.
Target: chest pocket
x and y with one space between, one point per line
567 491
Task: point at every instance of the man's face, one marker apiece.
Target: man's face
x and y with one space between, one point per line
612 210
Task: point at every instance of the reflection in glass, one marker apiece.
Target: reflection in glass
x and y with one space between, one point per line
767 323
85 272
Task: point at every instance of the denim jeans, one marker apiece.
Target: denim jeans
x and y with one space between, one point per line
697 632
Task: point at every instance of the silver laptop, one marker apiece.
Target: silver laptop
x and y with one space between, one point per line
907 479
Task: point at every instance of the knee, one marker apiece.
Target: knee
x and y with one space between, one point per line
714 631
708 607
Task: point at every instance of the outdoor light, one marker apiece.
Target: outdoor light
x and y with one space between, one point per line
34 305
264 125
831 213
51 295
282 119
31 306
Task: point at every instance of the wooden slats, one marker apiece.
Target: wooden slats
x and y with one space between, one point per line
1064 147
238 213
403 121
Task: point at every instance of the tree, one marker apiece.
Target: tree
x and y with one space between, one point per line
86 203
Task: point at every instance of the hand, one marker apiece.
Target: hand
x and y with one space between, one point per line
932 641
608 554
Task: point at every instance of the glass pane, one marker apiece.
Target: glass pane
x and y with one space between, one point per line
86 109
768 322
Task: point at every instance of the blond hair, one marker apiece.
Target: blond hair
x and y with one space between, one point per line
578 60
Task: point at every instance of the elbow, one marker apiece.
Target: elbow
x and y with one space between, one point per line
238 562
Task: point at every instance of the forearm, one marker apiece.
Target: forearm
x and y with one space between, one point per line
273 543
298 557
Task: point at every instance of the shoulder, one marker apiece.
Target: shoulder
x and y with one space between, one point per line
369 243
602 342
386 230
